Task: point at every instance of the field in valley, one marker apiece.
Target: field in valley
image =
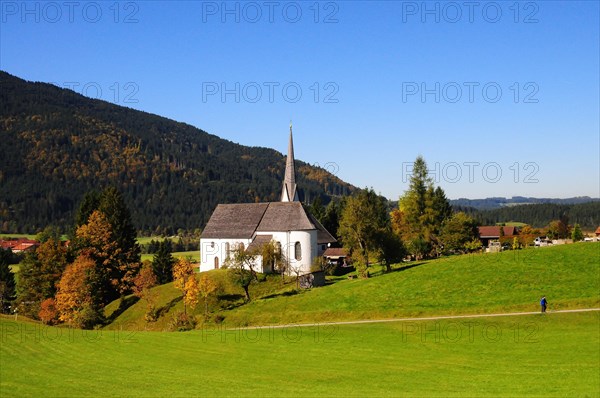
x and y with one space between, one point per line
555 354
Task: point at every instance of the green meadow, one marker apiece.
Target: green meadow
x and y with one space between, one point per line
510 281
553 354
194 255
536 355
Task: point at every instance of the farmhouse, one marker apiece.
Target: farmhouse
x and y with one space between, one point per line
19 245
249 226
493 233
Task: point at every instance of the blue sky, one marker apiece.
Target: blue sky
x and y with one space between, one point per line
500 98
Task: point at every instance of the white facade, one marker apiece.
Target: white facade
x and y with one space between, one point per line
215 252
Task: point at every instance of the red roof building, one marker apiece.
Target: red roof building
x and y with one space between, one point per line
19 245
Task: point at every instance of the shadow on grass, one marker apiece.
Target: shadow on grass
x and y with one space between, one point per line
407 267
231 301
125 303
166 308
284 294
383 271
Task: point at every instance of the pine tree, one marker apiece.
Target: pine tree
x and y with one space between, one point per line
89 203
421 213
7 280
162 263
576 234
124 234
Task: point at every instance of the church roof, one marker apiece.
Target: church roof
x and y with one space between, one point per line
234 221
285 216
242 221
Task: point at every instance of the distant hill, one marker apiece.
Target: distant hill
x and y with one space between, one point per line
496 203
57 144
587 215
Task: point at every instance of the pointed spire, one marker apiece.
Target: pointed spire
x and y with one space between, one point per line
288 193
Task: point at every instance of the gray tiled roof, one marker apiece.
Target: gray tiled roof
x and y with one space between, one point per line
285 216
241 221
235 221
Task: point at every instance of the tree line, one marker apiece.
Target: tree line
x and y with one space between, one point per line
73 283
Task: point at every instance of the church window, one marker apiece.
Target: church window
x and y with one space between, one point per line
298 251
227 250
216 262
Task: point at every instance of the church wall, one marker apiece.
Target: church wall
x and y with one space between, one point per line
308 245
217 248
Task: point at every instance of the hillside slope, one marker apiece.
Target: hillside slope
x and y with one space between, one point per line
57 144
510 281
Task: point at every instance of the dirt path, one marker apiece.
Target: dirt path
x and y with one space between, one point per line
430 318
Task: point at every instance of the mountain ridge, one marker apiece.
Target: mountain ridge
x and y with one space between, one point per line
58 144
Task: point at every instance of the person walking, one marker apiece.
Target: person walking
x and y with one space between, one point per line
543 304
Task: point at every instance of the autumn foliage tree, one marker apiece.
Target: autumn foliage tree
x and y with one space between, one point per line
76 300
124 261
206 287
94 240
185 280
142 288
48 312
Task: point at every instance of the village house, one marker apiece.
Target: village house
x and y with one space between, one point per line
249 226
19 245
492 233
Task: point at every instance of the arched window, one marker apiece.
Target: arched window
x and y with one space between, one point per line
298 251
227 250
241 247
216 262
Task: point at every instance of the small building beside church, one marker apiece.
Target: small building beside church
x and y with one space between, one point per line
249 226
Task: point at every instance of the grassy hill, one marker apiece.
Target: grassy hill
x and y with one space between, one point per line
509 281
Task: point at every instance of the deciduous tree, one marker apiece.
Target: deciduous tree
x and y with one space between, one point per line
363 220
457 231
241 269
142 288
207 287
185 280
48 312
75 299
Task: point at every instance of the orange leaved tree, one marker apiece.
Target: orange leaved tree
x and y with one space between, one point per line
184 280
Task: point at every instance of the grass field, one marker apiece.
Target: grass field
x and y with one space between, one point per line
556 354
538 355
194 255
16 236
509 281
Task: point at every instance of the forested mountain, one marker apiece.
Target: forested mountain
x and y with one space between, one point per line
55 145
587 215
496 203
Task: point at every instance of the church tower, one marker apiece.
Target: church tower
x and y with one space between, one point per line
288 193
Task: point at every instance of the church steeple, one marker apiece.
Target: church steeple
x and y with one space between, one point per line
288 193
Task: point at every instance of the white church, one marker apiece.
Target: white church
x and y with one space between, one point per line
249 226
